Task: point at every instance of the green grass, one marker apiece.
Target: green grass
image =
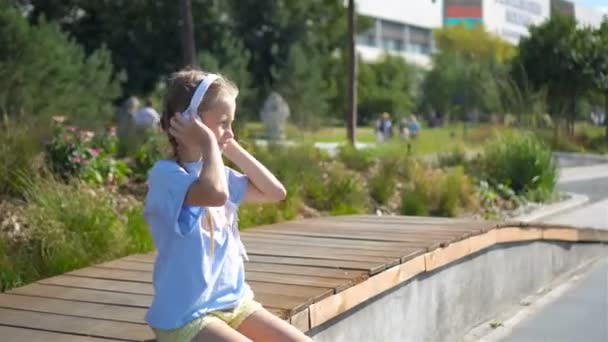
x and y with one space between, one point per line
431 140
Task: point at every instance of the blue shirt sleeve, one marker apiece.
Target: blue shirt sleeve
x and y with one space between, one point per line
237 185
169 186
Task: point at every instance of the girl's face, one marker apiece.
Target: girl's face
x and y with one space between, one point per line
219 120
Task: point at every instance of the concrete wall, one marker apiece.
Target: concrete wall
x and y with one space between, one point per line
445 304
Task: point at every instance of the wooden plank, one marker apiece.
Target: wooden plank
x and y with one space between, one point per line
291 279
516 234
272 239
75 325
374 230
114 274
318 253
251 244
394 226
368 236
325 242
308 292
353 275
339 303
301 320
482 241
592 235
83 295
121 264
12 334
66 307
145 258
290 304
371 267
560 234
350 241
282 314
100 284
444 256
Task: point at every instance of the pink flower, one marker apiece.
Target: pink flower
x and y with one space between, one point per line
71 128
65 137
58 119
93 151
77 159
86 136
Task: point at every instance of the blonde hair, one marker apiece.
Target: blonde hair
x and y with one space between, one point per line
179 90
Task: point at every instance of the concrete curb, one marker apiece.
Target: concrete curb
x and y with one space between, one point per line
575 201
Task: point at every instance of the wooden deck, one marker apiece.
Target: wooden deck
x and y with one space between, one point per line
306 272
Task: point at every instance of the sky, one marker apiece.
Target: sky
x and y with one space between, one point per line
599 4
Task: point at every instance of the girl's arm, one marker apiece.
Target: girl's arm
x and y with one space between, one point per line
263 185
210 189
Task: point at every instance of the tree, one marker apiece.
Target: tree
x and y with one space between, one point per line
463 78
597 67
43 72
141 34
387 85
552 58
301 82
187 32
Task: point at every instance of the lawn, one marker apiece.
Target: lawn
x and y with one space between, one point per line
431 140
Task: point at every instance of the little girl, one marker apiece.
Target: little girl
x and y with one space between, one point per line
191 209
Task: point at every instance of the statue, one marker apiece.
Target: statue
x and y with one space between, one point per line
274 114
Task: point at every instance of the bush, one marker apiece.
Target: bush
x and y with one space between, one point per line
75 153
156 147
20 146
43 72
382 184
337 190
521 162
70 226
439 193
355 159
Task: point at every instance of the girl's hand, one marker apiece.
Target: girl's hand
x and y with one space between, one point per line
191 133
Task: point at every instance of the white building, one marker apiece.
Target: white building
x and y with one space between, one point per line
402 27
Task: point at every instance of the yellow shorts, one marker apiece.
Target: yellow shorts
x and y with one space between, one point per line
233 317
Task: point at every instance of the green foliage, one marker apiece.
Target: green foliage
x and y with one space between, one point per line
155 148
337 191
438 193
302 82
70 226
550 61
20 145
43 72
73 153
384 181
463 76
387 85
355 159
520 162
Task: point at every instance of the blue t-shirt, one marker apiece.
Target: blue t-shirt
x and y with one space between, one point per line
188 280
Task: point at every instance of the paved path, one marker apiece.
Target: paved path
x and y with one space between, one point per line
581 313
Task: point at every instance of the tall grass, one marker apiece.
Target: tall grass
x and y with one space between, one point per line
70 226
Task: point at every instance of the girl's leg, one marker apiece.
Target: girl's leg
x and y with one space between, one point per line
264 326
218 331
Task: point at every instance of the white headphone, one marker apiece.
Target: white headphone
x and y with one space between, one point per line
198 95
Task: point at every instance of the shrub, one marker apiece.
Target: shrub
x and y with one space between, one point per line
382 184
356 159
337 190
70 226
156 147
19 149
438 192
43 72
75 153
521 162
